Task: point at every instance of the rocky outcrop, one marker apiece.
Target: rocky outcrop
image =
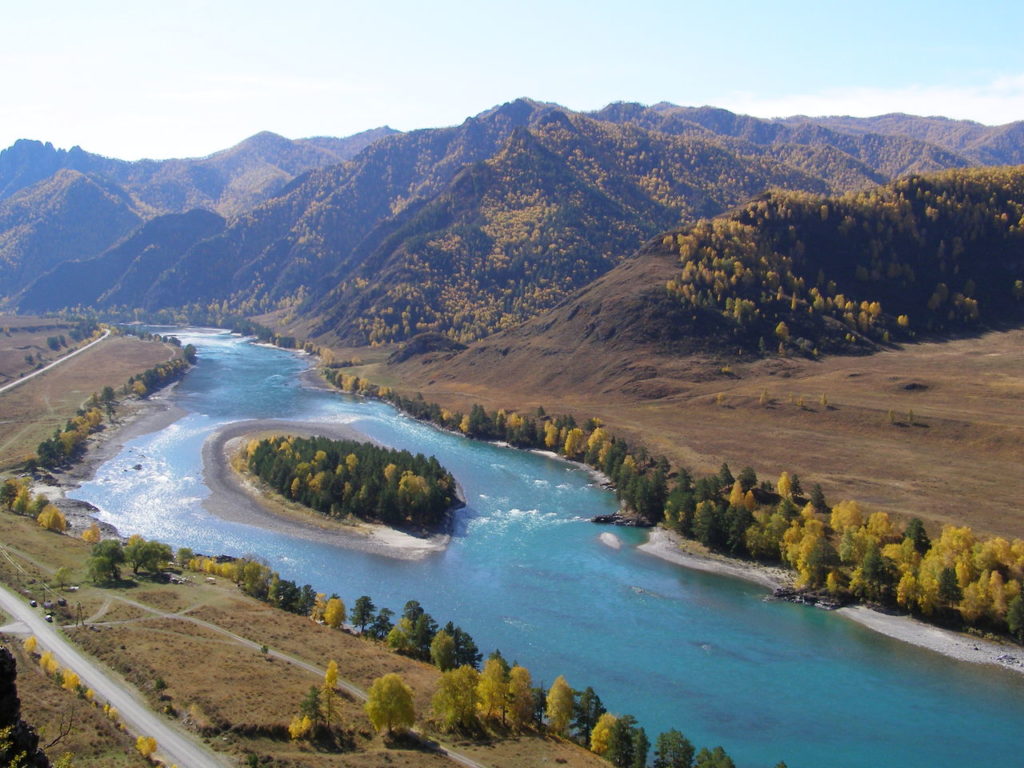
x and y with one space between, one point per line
18 740
620 518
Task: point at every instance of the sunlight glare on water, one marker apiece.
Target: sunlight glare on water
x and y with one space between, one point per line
528 574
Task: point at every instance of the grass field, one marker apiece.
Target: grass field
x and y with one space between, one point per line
30 413
194 652
24 347
959 461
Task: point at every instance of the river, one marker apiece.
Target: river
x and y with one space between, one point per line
525 572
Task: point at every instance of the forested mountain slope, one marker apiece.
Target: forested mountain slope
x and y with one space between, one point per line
134 263
67 216
787 272
474 228
982 144
848 159
562 201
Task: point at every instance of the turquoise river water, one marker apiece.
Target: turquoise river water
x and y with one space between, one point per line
528 574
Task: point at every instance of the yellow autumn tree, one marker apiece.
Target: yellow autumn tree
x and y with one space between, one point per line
807 549
559 706
846 514
455 701
146 745
736 495
551 434
48 663
51 519
328 693
413 489
520 697
575 443
785 486
299 727
334 613
977 601
598 438
492 690
319 606
71 680
389 704
601 736
881 528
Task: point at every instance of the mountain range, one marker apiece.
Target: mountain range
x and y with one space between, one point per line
463 231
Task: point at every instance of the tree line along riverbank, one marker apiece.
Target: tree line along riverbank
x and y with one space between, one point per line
839 552
477 700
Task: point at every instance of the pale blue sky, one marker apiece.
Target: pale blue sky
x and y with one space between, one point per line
188 77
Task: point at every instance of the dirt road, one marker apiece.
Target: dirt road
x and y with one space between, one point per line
23 379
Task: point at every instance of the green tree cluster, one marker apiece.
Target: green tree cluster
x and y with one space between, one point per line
343 477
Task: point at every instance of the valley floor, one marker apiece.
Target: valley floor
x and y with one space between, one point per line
934 430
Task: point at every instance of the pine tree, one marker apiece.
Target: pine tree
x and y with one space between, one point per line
1015 617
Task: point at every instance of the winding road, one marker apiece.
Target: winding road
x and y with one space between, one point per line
174 746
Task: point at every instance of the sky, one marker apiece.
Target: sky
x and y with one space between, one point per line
185 78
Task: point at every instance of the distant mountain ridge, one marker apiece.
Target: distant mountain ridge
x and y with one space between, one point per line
982 144
474 228
227 182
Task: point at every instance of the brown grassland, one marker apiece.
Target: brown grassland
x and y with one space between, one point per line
30 413
958 461
23 337
193 651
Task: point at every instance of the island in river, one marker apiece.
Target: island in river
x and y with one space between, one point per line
238 496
